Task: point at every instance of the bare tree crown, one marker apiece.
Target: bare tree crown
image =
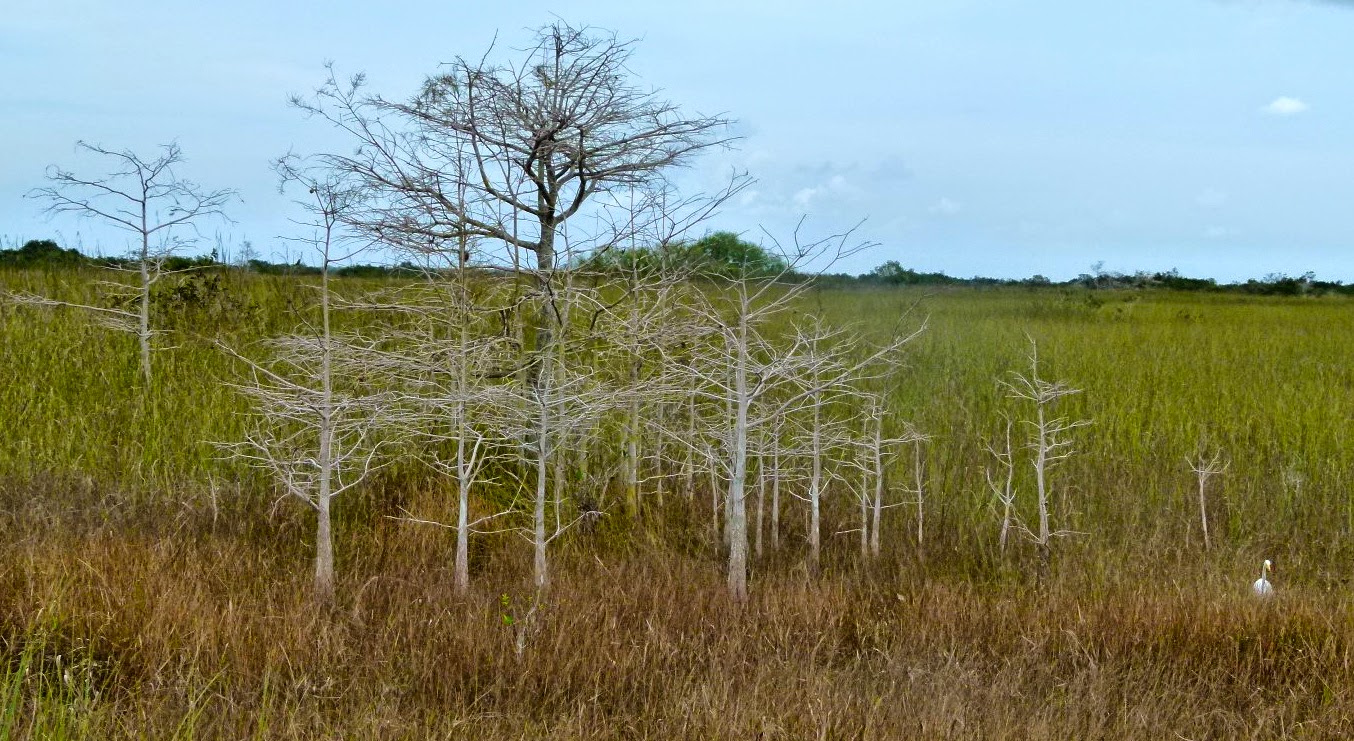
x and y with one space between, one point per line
141 195
511 152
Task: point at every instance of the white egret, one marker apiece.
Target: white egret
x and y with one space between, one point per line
1262 587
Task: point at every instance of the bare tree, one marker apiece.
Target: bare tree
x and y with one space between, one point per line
146 198
823 380
1205 466
456 344
735 370
647 322
447 360
564 396
1050 443
919 489
317 439
541 138
1002 485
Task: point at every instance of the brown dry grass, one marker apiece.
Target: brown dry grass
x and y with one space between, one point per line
207 631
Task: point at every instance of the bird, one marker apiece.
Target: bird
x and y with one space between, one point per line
1262 587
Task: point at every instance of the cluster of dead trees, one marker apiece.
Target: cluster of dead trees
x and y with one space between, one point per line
505 182
677 382
520 352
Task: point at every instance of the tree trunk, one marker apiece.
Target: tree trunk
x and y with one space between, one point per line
775 493
464 472
737 529
878 460
921 499
815 491
143 325
542 455
461 572
324 554
1203 510
864 514
761 506
728 501
324 537
632 448
461 576
1040 463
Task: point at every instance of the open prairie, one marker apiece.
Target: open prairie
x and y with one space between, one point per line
153 587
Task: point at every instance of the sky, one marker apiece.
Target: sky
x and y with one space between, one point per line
1003 138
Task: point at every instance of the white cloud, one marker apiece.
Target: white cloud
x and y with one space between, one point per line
805 196
835 187
946 207
1286 106
1211 198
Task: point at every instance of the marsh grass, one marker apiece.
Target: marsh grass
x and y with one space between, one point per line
175 592
217 640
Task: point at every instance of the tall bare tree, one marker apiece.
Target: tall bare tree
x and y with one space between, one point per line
145 197
541 138
317 439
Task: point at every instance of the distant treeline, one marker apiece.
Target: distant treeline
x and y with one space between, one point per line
45 253
892 273
722 252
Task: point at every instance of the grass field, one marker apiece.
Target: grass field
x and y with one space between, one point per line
149 589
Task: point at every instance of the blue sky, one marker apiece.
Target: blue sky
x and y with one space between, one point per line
1001 138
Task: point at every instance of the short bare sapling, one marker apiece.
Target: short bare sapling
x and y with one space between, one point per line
1049 442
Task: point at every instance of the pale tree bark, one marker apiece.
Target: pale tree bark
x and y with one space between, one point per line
737 528
1049 443
919 479
761 506
1205 467
775 492
316 441
876 419
816 476
1002 486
